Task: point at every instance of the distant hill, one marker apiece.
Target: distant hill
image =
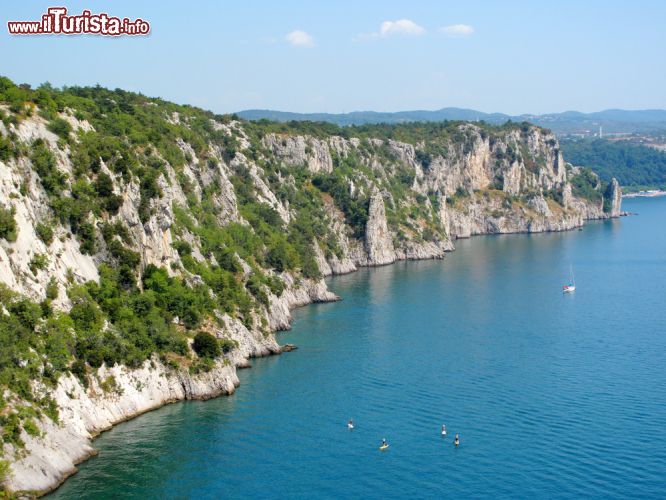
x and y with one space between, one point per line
635 166
366 117
568 122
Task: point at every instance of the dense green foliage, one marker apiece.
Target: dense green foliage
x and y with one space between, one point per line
45 232
355 209
8 228
632 165
35 346
206 346
60 127
432 133
585 185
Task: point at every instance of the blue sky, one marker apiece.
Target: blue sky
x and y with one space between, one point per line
507 56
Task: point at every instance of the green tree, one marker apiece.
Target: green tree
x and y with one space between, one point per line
8 228
206 346
60 127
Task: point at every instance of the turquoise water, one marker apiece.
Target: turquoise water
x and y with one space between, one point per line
553 395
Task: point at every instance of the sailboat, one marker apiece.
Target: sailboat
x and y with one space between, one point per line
571 287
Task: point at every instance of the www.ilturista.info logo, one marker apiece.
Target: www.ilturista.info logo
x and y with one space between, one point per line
57 22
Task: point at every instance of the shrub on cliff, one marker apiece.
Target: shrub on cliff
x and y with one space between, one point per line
355 210
6 148
585 184
79 370
5 471
60 127
38 262
44 232
104 185
44 162
227 345
206 346
7 224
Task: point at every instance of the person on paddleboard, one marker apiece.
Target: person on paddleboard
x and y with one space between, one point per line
350 424
443 430
456 441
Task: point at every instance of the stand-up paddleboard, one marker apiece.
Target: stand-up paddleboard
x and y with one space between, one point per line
383 447
571 287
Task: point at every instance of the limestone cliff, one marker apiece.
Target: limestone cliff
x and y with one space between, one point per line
615 197
378 241
128 226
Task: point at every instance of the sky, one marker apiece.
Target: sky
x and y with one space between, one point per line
338 56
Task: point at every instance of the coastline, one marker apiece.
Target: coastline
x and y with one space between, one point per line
317 293
645 194
104 397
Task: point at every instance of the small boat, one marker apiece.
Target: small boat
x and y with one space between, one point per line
443 430
571 287
350 426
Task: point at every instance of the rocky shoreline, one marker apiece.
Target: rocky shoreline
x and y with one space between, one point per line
645 194
118 394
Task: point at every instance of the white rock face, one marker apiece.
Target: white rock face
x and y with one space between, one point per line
344 264
86 413
265 195
538 204
530 163
322 263
76 124
615 198
34 128
296 294
63 254
567 196
224 200
491 216
378 240
425 250
299 150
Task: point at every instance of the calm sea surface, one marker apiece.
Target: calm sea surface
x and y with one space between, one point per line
553 395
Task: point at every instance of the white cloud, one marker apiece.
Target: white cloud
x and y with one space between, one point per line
401 27
299 38
457 30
